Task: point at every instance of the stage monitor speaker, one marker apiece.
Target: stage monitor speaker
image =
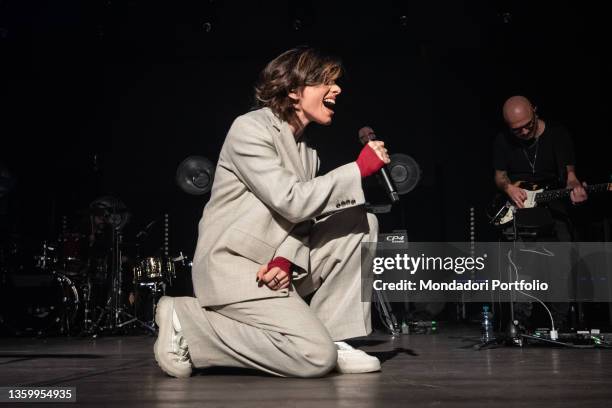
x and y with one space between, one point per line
195 175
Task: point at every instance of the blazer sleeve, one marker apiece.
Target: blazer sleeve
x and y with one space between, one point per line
296 248
251 151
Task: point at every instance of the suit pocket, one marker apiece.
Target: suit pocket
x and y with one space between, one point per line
250 247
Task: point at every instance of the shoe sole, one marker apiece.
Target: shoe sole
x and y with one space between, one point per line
368 367
164 335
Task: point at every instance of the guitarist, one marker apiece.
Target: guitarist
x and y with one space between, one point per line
539 152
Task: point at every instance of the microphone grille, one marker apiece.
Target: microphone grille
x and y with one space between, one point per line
366 134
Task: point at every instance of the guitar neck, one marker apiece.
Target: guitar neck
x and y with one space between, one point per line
550 195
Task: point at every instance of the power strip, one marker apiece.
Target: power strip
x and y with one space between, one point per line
580 337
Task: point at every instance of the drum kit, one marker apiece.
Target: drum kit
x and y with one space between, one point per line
86 282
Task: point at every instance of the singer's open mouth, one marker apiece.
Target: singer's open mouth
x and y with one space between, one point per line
329 103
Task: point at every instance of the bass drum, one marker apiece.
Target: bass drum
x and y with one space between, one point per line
39 305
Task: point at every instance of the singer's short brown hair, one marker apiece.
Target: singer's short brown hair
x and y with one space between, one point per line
290 72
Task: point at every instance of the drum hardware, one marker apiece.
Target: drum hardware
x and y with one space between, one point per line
70 257
69 320
87 322
166 247
152 275
155 291
152 269
184 260
41 304
183 285
45 261
85 269
113 317
166 230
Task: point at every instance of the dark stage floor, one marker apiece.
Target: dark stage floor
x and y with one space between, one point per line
418 370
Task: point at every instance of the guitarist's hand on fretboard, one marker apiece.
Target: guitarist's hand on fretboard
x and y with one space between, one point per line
516 194
578 193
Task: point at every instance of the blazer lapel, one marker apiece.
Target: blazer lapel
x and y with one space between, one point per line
289 149
306 155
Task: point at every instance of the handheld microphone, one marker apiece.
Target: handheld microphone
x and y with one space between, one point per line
366 134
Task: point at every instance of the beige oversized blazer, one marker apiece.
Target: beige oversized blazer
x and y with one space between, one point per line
264 199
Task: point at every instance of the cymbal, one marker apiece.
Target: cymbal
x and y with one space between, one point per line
108 202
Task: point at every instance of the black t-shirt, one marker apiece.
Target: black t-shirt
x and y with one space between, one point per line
542 161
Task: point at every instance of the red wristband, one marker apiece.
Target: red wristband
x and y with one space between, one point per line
368 162
280 262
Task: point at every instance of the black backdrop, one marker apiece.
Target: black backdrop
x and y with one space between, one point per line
107 97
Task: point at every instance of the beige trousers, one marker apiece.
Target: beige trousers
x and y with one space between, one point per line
286 336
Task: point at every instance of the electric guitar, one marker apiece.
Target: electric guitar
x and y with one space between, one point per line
502 209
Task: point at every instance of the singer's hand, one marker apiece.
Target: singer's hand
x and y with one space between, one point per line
372 158
379 148
275 275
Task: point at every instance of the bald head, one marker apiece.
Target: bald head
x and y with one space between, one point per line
520 117
517 109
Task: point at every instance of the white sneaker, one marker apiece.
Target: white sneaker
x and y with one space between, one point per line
170 348
354 361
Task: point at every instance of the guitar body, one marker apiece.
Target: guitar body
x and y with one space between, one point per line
503 209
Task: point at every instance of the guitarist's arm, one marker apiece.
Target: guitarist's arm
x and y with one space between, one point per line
516 194
578 193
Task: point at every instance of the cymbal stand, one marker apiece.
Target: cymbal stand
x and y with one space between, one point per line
113 313
156 291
